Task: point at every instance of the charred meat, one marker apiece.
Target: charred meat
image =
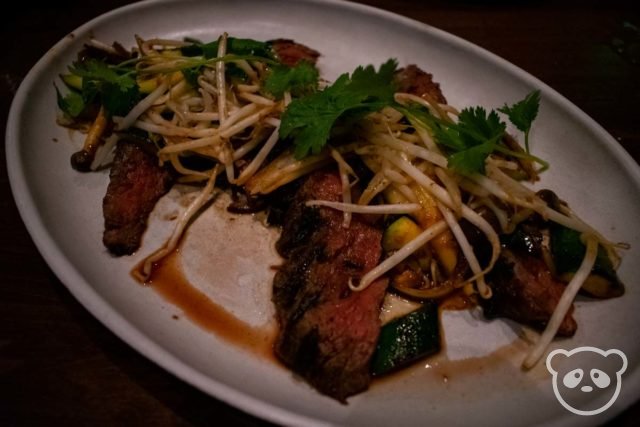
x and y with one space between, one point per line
524 290
412 79
136 183
327 332
290 52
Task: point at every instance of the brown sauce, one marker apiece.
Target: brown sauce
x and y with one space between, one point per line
440 370
168 279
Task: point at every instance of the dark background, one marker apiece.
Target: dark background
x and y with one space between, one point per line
58 365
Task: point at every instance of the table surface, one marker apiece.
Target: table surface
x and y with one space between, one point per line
59 364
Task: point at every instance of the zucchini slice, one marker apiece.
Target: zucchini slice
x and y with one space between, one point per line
407 339
568 251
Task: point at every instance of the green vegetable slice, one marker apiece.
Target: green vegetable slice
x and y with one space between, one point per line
407 339
568 251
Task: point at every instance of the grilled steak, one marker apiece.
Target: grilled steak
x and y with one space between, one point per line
525 291
327 332
523 288
290 52
412 79
136 183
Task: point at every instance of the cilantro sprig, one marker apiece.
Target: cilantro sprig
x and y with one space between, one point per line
246 47
192 67
523 113
310 120
472 139
468 142
302 79
206 54
477 134
114 87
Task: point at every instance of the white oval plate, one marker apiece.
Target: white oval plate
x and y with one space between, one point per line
62 210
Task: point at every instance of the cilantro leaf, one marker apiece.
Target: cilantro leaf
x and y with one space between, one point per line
249 47
236 46
471 139
450 137
366 82
191 75
475 125
299 80
100 71
116 90
309 120
471 160
204 54
119 100
523 113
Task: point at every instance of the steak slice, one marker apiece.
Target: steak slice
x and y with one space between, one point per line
412 79
290 52
136 183
327 332
525 291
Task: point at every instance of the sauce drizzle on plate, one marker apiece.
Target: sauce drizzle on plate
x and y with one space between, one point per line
168 279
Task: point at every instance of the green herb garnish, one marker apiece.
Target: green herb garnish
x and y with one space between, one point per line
113 86
472 139
467 142
248 47
477 133
309 120
523 113
302 79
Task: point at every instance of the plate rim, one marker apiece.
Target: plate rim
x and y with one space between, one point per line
121 327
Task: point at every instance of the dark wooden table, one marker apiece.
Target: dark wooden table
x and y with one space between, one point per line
58 365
